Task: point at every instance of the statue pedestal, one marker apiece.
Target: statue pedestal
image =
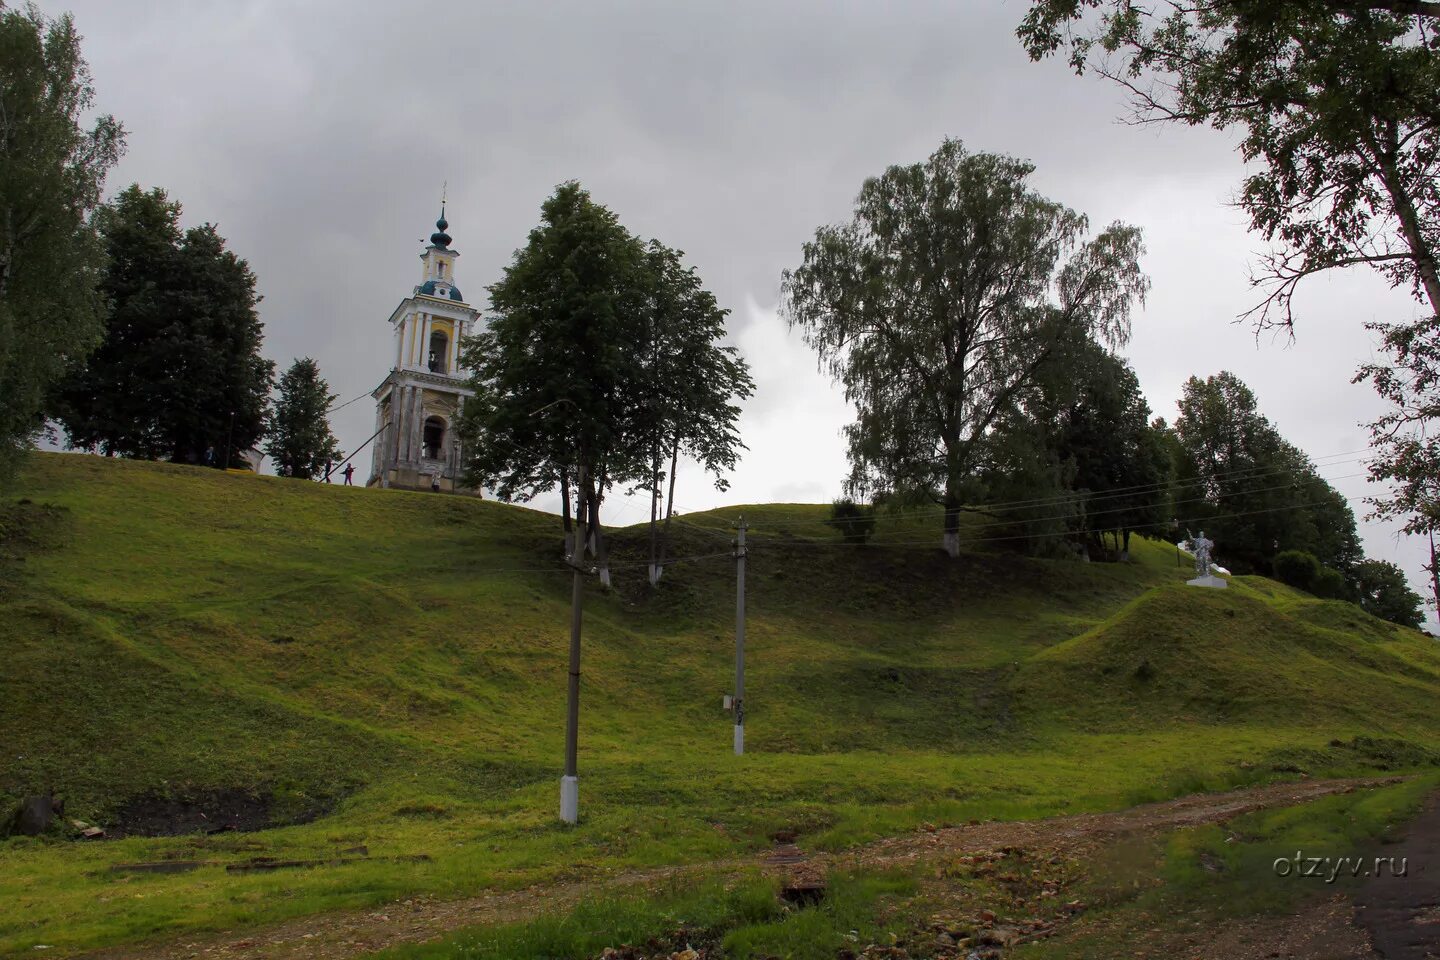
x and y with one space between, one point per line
1209 580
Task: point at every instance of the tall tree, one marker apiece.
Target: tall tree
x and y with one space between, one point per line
179 371
690 383
299 437
939 301
1096 425
51 174
1254 492
555 376
1076 457
1342 133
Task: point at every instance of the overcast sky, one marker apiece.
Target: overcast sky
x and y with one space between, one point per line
317 135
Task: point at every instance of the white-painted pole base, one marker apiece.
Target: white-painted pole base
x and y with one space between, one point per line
570 799
739 739
952 544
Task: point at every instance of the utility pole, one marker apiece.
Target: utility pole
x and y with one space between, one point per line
740 640
570 782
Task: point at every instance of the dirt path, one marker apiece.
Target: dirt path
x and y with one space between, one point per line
1400 907
343 935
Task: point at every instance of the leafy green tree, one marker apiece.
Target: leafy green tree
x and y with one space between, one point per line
938 302
1252 491
299 438
1025 489
689 385
1407 449
1097 427
52 172
179 372
556 375
1342 137
1180 476
1077 457
602 358
1383 591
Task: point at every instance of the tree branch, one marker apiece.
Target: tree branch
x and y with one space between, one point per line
1405 8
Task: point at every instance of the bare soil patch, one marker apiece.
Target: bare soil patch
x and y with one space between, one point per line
208 811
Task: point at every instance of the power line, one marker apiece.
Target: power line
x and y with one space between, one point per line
1113 510
342 406
1072 497
1248 473
1217 517
1014 505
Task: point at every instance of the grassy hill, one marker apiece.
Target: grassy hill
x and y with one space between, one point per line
387 669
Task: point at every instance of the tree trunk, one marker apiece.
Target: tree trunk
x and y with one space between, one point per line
1405 212
565 511
1434 574
654 514
669 511
951 540
599 547
1125 547
7 256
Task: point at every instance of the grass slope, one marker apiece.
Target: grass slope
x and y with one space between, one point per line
400 658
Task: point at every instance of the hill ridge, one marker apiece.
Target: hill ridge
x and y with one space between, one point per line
397 661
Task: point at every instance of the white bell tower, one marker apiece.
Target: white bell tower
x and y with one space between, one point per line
418 403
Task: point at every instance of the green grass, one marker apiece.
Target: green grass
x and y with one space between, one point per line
399 659
746 919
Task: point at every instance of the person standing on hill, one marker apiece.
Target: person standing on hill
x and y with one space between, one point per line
349 472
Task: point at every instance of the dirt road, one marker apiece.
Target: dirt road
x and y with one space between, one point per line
344 935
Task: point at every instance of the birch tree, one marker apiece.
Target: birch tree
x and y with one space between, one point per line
691 384
937 304
52 171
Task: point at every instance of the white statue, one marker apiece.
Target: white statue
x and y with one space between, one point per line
1200 546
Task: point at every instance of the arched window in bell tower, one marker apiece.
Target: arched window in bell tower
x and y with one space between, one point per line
439 352
434 438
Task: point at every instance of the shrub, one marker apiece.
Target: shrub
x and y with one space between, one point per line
1330 584
855 521
1296 568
